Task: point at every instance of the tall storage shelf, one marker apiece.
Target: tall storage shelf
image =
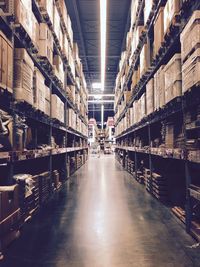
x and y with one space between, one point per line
157 104
43 108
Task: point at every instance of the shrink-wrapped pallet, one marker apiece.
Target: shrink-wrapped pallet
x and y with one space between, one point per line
23 76
173 78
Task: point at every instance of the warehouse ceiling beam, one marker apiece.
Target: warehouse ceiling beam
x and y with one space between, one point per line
75 6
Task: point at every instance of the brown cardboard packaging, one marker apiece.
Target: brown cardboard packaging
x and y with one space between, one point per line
39 90
45 42
159 30
127 96
23 76
144 59
47 5
6 63
47 101
172 8
56 22
150 96
9 200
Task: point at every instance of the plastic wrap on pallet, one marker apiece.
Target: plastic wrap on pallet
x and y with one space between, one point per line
190 36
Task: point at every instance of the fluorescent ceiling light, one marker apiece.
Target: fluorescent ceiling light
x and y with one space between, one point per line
96 85
101 95
100 101
103 18
98 97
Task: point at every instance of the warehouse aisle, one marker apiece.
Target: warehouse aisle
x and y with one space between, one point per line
103 219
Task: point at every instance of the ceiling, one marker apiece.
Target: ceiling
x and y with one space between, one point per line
85 16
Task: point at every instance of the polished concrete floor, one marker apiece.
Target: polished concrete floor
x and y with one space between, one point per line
103 218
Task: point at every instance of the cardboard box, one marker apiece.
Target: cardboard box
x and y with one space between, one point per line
69 29
23 76
23 15
47 110
143 106
159 30
9 200
57 108
127 96
47 5
173 78
45 42
136 37
39 90
159 88
6 63
145 61
63 10
150 96
169 135
190 36
58 68
65 45
35 32
190 71
172 8
134 9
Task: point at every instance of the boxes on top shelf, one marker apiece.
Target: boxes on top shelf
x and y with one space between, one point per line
190 36
134 9
23 76
173 78
23 15
56 22
159 30
47 6
150 96
148 8
6 63
135 40
39 90
172 8
45 42
145 59
191 70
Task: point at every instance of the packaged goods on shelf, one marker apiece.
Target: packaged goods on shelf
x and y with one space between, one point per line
6 63
69 29
71 62
56 22
73 92
47 101
65 45
191 70
159 30
127 96
9 200
169 135
149 4
77 100
135 78
144 59
63 11
172 8
128 39
39 90
45 187
136 111
47 6
150 96
58 68
143 106
45 42
159 88
190 36
23 15
134 9
173 78
35 31
123 79
23 76
135 40
57 108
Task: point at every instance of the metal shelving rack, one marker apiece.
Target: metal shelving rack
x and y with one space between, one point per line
9 159
177 108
